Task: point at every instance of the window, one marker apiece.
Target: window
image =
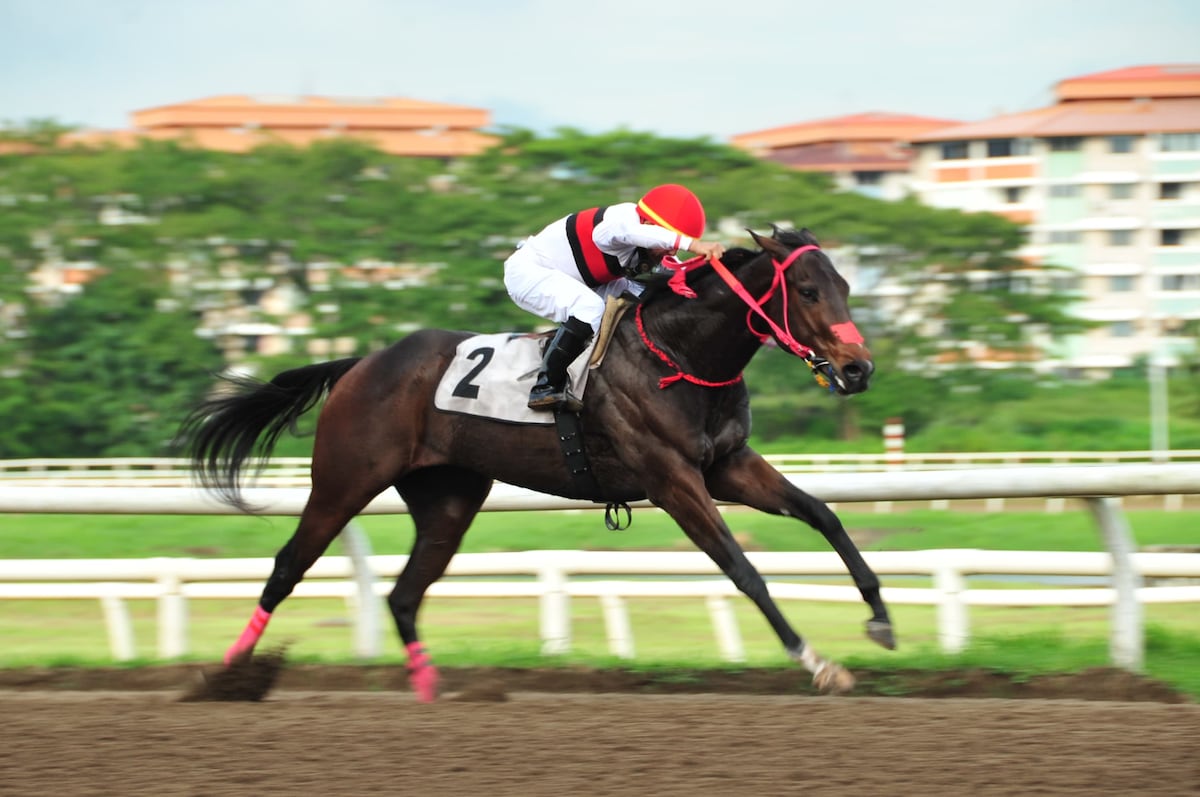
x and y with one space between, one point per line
1179 142
1119 145
1065 191
1120 191
954 150
1000 148
1064 236
868 178
1120 237
1180 282
1170 191
1170 238
1120 329
1013 195
1121 283
1066 283
1065 143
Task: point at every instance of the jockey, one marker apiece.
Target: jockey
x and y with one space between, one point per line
565 272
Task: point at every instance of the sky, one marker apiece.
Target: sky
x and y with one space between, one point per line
679 68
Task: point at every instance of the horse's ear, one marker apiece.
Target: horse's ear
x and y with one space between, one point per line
770 244
808 236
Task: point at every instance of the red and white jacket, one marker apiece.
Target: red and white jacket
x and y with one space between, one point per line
594 245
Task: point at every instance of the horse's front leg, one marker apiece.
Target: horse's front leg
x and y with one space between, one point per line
746 478
685 499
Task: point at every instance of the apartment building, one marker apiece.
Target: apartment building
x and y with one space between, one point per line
238 123
866 152
1107 182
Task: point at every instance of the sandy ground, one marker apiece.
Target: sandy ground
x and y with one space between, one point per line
489 740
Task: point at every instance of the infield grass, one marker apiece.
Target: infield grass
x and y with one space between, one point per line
667 632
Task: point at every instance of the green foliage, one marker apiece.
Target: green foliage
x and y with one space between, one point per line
108 373
166 209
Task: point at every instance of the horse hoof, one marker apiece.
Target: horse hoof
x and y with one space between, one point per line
833 679
880 632
424 683
238 657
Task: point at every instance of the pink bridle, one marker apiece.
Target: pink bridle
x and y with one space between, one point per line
845 332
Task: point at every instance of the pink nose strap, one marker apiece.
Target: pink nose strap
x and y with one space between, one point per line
847 332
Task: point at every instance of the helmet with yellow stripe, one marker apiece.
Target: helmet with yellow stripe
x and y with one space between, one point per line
675 208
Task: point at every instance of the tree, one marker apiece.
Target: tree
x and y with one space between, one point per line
269 215
110 373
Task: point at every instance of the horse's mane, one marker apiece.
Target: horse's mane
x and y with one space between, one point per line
736 257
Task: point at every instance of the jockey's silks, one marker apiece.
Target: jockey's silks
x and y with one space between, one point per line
594 266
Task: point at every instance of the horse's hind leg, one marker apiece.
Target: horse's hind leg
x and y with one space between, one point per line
323 519
442 502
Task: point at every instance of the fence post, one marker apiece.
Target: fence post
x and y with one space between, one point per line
555 609
893 442
120 629
952 620
725 626
172 614
893 448
616 625
1126 641
367 644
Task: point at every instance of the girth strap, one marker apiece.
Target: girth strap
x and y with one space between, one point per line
570 439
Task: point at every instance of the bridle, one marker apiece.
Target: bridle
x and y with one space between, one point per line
822 370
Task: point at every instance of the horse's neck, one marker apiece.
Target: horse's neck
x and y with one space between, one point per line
706 337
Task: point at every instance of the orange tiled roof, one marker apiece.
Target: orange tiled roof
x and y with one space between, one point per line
450 143
236 123
1163 80
870 126
1134 100
1094 117
275 112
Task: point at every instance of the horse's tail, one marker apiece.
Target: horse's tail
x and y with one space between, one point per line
225 431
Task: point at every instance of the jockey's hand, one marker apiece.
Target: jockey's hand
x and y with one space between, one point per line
708 249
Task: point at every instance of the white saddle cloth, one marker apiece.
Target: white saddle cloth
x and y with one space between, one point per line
491 376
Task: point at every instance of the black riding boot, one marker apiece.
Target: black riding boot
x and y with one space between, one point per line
550 391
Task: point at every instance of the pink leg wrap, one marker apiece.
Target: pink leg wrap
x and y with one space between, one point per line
249 638
421 673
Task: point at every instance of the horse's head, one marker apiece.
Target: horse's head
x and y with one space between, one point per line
815 311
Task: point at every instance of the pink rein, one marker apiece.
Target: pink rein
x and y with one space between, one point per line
846 332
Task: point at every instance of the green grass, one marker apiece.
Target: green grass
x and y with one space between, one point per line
100 536
672 633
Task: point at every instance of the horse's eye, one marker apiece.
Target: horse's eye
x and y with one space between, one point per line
809 294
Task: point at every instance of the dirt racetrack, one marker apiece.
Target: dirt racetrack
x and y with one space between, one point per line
355 731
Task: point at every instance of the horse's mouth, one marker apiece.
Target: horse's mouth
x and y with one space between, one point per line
851 378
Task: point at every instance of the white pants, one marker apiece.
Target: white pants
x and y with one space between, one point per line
551 294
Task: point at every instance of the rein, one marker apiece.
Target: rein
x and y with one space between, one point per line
782 334
822 371
679 374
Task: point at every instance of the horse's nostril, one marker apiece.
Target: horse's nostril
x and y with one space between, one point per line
858 371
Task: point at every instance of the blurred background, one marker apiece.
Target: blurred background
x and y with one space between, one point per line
195 188
1013 194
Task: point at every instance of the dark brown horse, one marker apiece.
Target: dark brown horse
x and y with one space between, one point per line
666 417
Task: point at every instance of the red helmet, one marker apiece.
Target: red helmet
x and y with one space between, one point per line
674 207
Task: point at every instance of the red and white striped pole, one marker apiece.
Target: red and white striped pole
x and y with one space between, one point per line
893 442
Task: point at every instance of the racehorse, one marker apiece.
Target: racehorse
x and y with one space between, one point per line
666 417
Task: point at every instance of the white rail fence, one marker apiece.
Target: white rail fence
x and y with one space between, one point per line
294 471
556 578
1100 486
